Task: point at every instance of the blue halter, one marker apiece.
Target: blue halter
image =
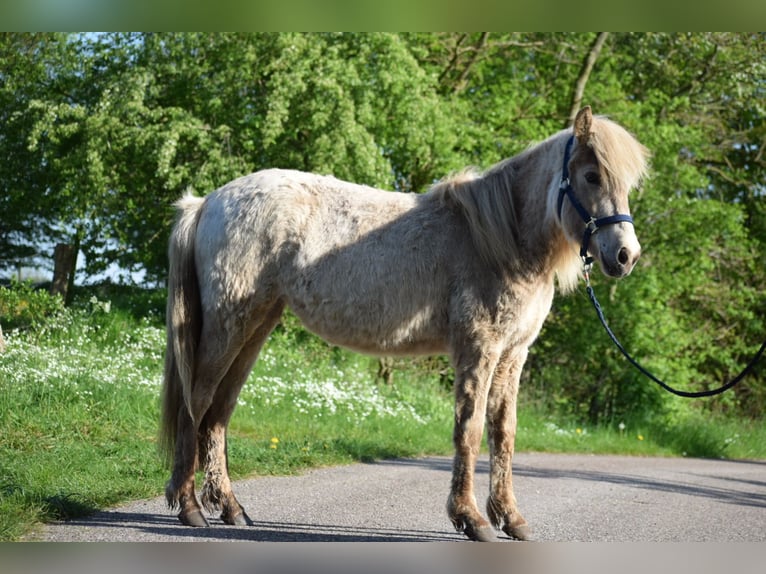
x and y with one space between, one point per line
592 224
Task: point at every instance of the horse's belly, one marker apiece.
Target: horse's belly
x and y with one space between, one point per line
406 348
375 332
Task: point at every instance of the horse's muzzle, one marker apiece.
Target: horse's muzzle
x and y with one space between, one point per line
621 263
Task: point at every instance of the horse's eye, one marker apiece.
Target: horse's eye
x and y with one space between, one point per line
593 177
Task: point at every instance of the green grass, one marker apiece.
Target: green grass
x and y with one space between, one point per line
693 436
77 417
79 410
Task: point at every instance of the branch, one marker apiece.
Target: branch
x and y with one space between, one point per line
475 52
505 44
480 44
701 76
453 61
582 79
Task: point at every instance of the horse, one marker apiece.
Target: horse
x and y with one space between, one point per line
468 269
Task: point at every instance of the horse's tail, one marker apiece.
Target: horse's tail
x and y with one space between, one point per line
184 321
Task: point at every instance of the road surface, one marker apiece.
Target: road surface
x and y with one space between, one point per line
563 497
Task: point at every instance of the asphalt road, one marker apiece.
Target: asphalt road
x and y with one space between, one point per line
563 497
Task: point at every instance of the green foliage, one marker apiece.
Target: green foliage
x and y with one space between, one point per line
136 301
23 305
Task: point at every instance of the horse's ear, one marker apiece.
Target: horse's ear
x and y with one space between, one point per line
582 124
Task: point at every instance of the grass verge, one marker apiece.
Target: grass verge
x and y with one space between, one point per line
79 405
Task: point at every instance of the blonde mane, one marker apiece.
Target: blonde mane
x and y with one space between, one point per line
623 158
488 200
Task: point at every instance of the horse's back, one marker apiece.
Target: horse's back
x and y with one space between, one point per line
360 266
282 209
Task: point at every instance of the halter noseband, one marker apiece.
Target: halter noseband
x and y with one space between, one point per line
592 224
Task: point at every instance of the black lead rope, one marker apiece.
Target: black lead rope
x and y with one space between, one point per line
687 394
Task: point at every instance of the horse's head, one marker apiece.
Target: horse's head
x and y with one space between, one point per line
603 163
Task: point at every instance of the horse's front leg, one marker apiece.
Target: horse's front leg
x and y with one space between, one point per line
501 420
471 388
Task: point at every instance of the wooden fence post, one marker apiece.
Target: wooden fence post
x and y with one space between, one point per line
64 261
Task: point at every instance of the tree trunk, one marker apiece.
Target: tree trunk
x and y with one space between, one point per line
582 79
2 340
64 263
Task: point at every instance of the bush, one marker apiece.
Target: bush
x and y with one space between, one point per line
23 305
138 302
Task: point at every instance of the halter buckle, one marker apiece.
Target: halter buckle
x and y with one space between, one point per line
587 265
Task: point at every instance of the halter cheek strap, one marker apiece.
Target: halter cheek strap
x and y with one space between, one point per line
592 224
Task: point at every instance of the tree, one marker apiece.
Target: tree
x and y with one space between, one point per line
128 122
23 78
110 158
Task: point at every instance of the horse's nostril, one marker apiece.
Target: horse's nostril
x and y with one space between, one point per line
623 256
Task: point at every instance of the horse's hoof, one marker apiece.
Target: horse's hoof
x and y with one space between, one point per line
518 531
480 533
193 518
238 519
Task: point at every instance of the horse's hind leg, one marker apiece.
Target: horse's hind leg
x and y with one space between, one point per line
501 419
217 492
215 355
180 488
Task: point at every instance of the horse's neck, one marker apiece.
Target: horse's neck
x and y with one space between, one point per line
543 243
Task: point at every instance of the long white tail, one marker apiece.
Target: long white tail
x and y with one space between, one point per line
184 321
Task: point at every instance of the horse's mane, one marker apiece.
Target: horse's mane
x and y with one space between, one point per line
486 199
622 157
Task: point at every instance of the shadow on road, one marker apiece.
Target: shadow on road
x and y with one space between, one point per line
703 479
729 496
260 531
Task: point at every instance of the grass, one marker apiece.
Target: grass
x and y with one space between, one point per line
693 436
77 413
79 410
